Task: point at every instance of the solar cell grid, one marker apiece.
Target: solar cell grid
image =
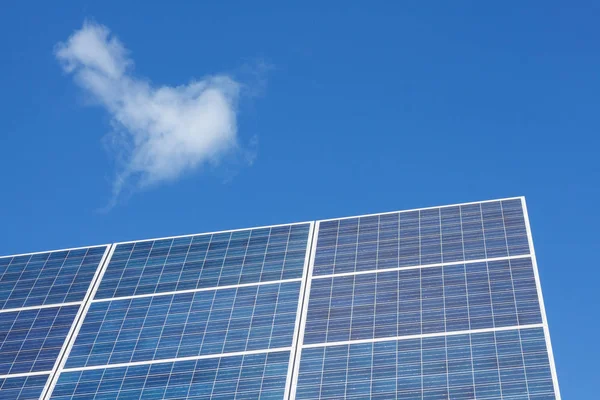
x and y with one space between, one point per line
422 300
437 303
249 376
511 364
188 324
430 236
22 387
203 261
30 340
47 278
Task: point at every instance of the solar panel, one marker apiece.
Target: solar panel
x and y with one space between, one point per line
201 261
422 300
47 278
41 295
221 309
503 364
422 237
30 340
249 376
435 303
438 303
187 324
22 387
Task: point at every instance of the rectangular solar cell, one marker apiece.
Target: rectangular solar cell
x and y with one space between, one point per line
248 376
22 387
47 278
202 261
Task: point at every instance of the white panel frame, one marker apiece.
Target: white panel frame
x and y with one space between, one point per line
541 301
295 367
298 327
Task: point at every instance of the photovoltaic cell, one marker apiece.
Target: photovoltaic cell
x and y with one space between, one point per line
249 376
47 278
30 340
187 324
510 364
203 261
422 300
421 237
22 387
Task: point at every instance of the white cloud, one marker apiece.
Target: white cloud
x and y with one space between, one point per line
161 132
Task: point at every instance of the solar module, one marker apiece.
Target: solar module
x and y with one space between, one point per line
249 376
504 364
414 301
22 387
203 261
41 295
435 303
187 324
30 340
47 278
421 237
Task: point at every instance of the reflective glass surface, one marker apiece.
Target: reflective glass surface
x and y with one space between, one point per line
421 237
22 387
47 278
250 376
188 324
423 300
202 261
510 364
30 340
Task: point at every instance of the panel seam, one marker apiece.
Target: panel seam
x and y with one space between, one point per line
77 323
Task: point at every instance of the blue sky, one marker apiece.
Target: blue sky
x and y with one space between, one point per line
337 109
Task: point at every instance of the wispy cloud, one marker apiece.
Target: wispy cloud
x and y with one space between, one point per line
160 132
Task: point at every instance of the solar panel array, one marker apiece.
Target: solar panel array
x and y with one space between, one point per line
40 297
204 316
437 303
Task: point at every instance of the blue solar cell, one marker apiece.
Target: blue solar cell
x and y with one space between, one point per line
202 261
412 238
187 324
251 376
22 387
422 300
47 278
506 364
30 340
